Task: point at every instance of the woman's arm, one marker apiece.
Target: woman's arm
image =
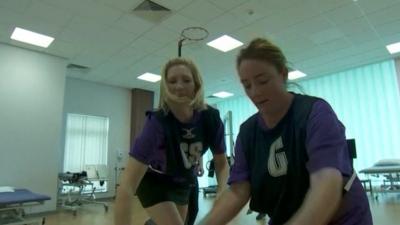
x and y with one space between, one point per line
131 178
228 205
221 171
322 199
328 163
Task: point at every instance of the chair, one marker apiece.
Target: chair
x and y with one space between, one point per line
366 183
80 188
96 173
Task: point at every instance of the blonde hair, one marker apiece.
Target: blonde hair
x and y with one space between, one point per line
165 95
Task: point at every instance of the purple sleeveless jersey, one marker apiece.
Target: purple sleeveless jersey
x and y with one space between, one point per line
326 148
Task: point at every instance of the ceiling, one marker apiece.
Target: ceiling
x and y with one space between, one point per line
318 36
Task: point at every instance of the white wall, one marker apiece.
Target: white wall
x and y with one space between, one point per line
31 101
89 98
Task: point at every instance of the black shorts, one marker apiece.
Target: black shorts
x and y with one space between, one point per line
154 189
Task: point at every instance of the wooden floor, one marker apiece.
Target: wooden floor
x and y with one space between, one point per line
386 211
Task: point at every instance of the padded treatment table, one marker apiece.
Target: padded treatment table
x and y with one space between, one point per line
12 205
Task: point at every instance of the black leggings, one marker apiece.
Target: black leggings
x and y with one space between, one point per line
193 206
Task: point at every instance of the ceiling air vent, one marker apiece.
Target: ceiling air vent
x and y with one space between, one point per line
151 11
77 70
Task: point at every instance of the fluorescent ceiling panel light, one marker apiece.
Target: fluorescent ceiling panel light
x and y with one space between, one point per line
222 94
225 43
293 75
32 38
393 48
150 77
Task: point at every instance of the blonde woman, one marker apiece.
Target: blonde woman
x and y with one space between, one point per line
161 168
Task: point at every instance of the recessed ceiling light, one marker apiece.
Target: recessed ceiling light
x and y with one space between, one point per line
393 48
222 94
150 77
225 43
296 74
31 37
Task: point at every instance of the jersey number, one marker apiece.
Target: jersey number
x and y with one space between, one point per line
277 162
191 153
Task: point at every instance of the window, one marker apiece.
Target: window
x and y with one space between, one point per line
86 143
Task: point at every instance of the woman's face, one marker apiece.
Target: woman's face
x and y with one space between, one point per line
180 81
263 84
